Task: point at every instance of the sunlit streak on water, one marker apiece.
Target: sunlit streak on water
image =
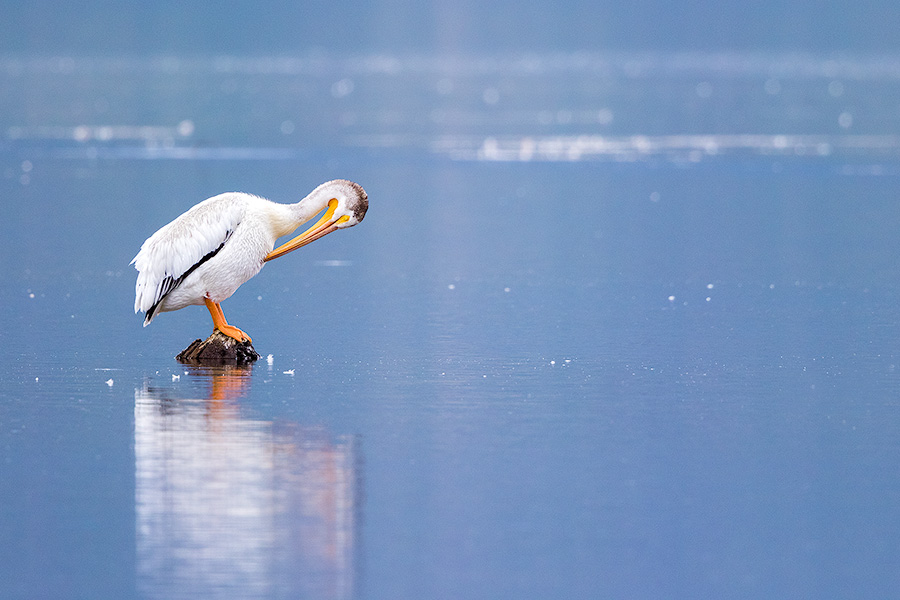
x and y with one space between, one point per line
691 148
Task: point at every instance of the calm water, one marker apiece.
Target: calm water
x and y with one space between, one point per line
613 327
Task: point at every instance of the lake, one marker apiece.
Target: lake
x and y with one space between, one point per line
614 326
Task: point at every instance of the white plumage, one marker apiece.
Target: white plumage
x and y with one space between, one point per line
208 252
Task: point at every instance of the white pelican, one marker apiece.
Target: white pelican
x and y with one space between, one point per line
204 255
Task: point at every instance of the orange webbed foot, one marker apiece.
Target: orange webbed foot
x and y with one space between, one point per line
235 333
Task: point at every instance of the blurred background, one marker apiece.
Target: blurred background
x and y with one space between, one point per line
272 27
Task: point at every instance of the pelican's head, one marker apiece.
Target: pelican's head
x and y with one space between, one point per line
352 202
345 204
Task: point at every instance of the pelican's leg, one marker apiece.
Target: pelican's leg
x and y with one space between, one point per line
219 322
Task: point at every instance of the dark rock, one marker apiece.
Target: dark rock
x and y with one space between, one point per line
218 349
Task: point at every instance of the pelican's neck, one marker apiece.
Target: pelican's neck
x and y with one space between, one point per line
292 216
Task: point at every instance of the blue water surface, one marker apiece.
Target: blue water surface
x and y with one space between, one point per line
564 356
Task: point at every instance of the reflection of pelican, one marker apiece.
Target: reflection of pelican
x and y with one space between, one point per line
232 507
204 255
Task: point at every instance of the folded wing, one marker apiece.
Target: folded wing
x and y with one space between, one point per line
171 254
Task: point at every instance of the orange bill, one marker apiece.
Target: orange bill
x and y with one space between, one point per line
325 225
